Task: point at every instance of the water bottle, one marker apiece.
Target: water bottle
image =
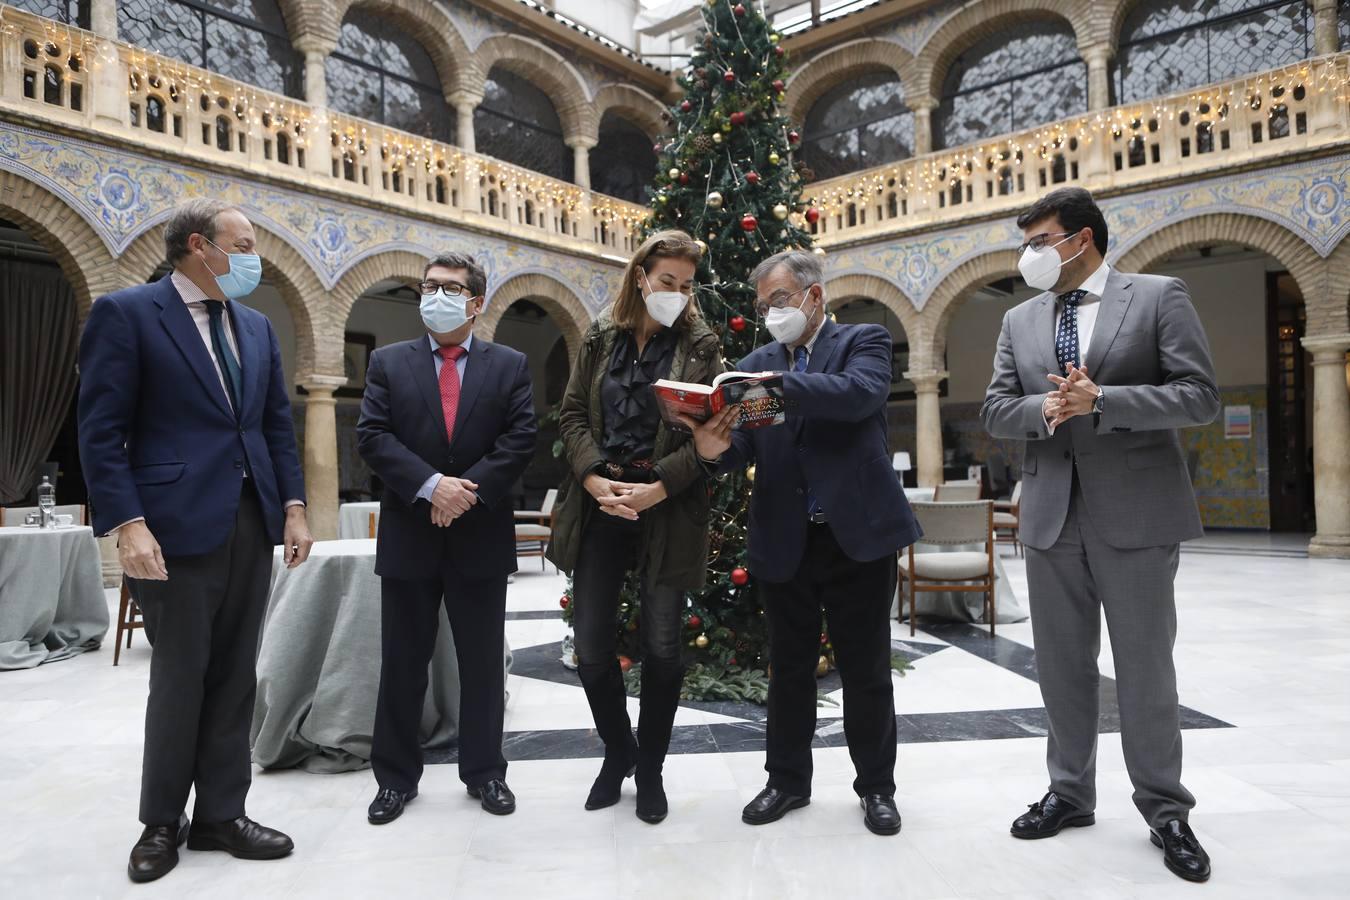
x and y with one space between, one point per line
47 502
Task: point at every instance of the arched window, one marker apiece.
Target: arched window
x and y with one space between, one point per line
517 122
379 72
863 122
1167 46
623 162
241 39
71 12
1020 77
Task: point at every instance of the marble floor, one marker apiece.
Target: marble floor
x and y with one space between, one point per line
1263 656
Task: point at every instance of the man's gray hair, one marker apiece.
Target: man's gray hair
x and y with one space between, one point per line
803 264
193 217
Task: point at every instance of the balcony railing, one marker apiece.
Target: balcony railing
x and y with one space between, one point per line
64 76
1296 109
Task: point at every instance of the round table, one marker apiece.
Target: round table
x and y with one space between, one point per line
52 604
354 520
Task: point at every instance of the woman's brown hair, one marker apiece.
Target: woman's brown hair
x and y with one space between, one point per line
628 307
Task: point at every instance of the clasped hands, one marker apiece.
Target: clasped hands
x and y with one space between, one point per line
1073 395
623 499
452 498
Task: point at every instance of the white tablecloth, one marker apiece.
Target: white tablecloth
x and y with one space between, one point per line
319 665
52 604
354 520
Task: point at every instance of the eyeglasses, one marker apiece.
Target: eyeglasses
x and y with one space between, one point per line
1039 241
778 300
452 288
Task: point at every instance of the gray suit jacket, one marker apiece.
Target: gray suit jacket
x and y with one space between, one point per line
1150 356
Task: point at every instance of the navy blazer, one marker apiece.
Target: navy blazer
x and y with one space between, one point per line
157 436
401 436
834 440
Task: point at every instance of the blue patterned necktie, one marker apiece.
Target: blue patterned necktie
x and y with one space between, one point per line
228 363
1066 336
800 362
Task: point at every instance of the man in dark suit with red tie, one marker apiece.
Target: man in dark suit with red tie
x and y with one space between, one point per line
188 447
448 425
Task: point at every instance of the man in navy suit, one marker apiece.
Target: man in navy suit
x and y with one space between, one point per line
826 518
188 448
448 425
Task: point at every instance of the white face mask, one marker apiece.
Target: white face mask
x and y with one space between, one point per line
664 306
787 325
1041 268
442 313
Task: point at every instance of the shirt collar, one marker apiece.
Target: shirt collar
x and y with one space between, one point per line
187 288
435 347
1095 284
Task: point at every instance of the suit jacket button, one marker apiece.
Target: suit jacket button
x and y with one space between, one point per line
238 463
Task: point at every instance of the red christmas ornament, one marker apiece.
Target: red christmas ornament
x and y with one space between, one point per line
625 663
684 178
737 323
824 638
656 148
739 10
777 51
793 137
732 661
564 602
812 215
695 622
749 222
778 85
739 576
752 177
737 118
685 106
729 77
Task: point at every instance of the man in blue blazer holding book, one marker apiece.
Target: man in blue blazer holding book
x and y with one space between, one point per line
826 518
188 448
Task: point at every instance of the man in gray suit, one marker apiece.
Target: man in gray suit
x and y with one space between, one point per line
1096 374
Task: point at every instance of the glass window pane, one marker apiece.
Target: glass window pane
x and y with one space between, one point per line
1012 53
353 89
863 122
623 162
253 56
72 12
1047 96
378 72
164 27
521 143
967 118
510 95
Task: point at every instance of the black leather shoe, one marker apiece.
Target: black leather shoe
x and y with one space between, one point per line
388 805
880 814
652 806
770 806
495 797
156 853
1049 816
242 838
1182 853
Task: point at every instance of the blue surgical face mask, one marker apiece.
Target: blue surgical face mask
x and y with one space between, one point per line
443 313
243 276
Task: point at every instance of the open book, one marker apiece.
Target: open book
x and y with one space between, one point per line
760 395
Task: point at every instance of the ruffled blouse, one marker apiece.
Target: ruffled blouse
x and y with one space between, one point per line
628 404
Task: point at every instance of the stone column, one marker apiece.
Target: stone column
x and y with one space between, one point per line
464 102
581 155
321 458
1098 59
316 52
1331 437
928 427
103 18
1326 33
923 123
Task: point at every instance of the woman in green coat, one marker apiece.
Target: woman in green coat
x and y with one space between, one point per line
636 500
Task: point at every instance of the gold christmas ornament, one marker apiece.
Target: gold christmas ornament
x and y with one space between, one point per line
818 251
717 137
673 173
726 127
750 473
781 98
780 212
822 667
773 159
773 38
715 200
702 247
701 641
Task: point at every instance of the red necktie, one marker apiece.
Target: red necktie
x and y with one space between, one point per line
450 387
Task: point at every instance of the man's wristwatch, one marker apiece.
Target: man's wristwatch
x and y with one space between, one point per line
1097 404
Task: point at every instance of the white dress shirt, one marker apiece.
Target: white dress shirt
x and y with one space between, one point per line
461 366
1088 306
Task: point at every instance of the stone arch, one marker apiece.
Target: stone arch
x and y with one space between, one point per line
431 26
1113 14
843 288
308 20
1335 317
838 64
548 70
983 20
84 258
566 308
956 288
391 265
297 282
1308 269
634 105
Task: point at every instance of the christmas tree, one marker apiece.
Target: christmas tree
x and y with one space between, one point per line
727 176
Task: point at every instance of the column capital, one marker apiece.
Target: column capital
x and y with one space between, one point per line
464 97
1327 349
921 102
926 382
315 44
581 141
1096 52
315 383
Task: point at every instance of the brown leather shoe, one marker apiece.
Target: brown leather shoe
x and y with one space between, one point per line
242 838
156 853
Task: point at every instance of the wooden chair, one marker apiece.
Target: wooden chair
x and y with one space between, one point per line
1007 519
14 515
128 620
956 491
950 524
374 524
534 527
